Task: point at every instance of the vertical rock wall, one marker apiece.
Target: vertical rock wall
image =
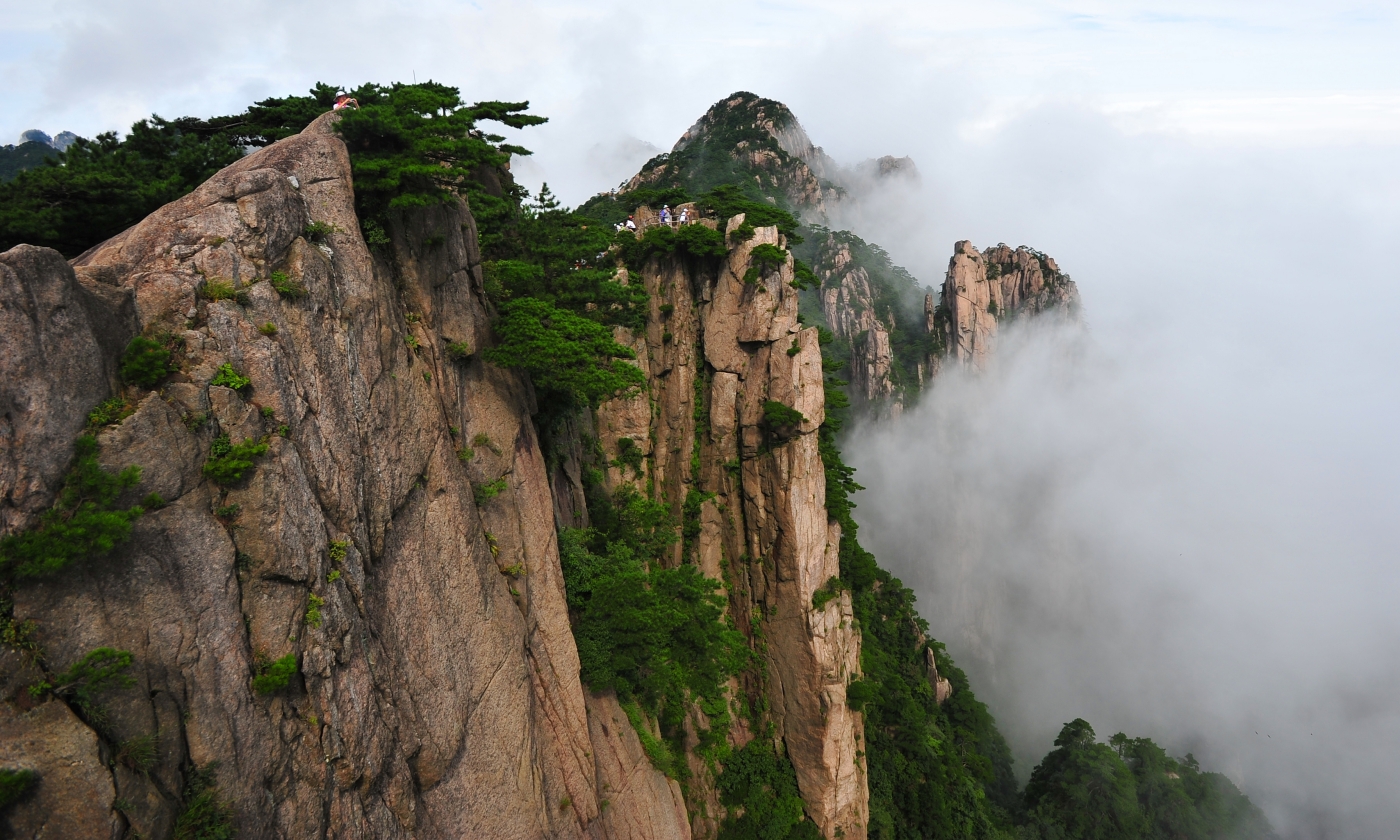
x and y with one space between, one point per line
982 289
438 691
723 350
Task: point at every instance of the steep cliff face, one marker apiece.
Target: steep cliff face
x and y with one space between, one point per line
983 289
720 352
437 693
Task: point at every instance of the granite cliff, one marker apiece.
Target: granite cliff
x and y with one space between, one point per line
394 533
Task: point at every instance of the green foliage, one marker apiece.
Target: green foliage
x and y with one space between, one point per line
629 454
1084 789
695 241
268 329
780 418
338 549
100 670
98 188
14 784
763 259
274 676
418 145
568 354
313 611
654 634
224 290
934 771
286 286
459 351
206 816
831 589
138 753
228 461
110 412
83 523
146 362
230 378
803 278
319 231
28 155
759 788
488 491
561 258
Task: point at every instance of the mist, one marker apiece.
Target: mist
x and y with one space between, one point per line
1177 521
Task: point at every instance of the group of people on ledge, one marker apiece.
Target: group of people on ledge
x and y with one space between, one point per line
665 217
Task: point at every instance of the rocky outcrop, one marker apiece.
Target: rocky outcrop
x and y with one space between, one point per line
982 290
848 304
59 342
721 351
437 693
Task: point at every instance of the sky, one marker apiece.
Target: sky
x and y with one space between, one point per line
1176 521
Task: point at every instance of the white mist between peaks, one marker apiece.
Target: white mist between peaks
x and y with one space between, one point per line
1180 527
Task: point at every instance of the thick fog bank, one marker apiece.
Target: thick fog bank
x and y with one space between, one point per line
1179 522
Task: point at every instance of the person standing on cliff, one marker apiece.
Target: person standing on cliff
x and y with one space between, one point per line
665 214
631 225
685 215
344 100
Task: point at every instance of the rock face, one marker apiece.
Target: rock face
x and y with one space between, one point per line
722 351
983 289
437 692
59 341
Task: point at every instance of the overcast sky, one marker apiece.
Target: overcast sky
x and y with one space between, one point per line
1180 523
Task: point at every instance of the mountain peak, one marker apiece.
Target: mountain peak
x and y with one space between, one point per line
748 139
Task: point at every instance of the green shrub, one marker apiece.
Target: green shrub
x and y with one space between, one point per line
230 378
14 784
206 816
84 521
145 363
313 610
110 412
564 352
803 277
101 669
417 145
319 231
629 454
268 329
459 351
412 341
228 511
489 491
274 676
778 416
763 259
224 290
287 287
830 590
338 550
743 232
228 461
759 788
138 753
653 634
